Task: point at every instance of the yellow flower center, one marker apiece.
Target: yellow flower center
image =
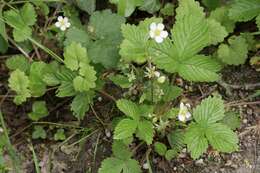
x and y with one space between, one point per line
157 32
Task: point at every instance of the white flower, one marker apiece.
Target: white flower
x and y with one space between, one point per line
100 99
151 72
184 114
157 74
157 32
1 130
161 79
62 23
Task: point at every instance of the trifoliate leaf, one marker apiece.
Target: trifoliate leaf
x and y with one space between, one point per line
39 132
125 128
74 55
88 6
196 141
37 85
222 138
209 111
160 148
77 35
86 80
232 120
39 110
18 62
151 6
80 104
121 80
129 108
135 43
59 135
120 150
145 131
19 83
235 52
221 15
244 10
105 25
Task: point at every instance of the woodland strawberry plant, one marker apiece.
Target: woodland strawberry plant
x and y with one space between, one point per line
142 58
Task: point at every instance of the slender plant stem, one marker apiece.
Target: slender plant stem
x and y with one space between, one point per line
148 160
35 159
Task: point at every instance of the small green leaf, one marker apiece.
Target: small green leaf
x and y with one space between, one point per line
28 14
120 80
160 148
176 140
111 164
77 35
170 92
168 9
151 6
125 128
145 131
234 53
18 62
211 4
129 108
39 110
19 83
80 104
88 6
59 135
39 132
120 150
232 120
170 154
209 111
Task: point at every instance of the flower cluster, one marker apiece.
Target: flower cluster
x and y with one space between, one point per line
184 114
152 73
62 23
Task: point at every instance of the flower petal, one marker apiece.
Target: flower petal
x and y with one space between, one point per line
182 106
151 33
181 118
153 26
60 18
158 39
63 27
57 24
67 24
188 115
157 74
161 79
164 34
160 26
65 19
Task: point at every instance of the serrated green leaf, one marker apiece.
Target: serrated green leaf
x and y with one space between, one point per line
217 32
18 62
89 6
168 9
131 166
111 164
160 148
209 111
244 10
74 55
36 84
77 35
222 138
49 77
170 154
39 110
125 128
232 120
221 15
39 132
121 80
234 53
196 141
135 44
151 6
28 14
120 150
19 83
105 25
176 140
129 108
170 92
145 131
59 135
80 104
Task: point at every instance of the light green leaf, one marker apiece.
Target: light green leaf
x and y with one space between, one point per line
232 120
120 80
18 62
151 6
244 10
209 111
168 9
39 132
39 110
19 83
196 141
80 104
234 53
222 138
170 92
145 131
131 166
176 140
217 33
211 4
59 135
221 15
129 108
170 154
160 148
125 128
87 5
28 14
37 85
200 68
74 55
121 150
77 35
111 164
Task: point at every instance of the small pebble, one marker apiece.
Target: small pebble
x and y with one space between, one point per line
244 121
145 166
100 99
108 133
